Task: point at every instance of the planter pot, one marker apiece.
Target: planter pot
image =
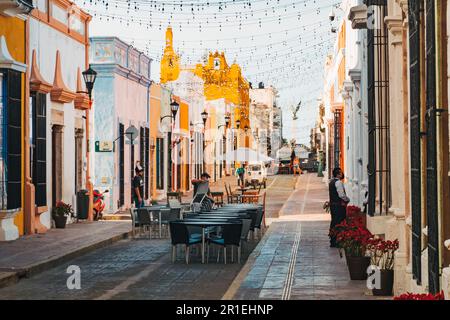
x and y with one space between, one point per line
357 267
386 283
60 222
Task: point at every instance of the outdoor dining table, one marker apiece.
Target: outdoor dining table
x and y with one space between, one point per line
204 225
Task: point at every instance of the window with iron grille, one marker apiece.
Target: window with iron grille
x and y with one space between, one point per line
160 163
337 137
11 142
38 150
414 18
121 164
147 162
379 198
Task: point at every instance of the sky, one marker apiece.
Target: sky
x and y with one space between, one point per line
282 43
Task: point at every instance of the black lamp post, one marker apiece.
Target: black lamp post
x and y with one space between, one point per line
204 118
89 77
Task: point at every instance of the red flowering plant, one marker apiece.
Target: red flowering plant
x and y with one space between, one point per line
382 252
352 238
354 215
63 209
421 296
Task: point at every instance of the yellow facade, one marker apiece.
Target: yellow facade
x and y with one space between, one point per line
170 63
221 81
155 114
15 34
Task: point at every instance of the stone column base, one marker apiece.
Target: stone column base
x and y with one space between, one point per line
8 230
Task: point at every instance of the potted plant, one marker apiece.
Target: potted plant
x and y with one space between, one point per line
382 257
353 240
60 214
421 296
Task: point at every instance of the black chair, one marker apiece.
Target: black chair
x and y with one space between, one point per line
168 215
231 236
246 224
145 221
179 234
258 220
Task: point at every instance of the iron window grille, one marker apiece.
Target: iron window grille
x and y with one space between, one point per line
379 196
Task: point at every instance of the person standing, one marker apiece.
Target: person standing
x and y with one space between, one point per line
138 187
338 201
240 173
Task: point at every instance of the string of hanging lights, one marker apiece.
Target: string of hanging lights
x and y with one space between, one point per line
279 42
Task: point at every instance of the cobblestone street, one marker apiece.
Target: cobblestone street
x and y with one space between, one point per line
292 261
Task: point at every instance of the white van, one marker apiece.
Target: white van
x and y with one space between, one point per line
256 174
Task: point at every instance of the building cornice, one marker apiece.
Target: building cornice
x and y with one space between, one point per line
355 74
105 69
395 27
358 17
7 61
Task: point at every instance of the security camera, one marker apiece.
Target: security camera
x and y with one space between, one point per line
332 15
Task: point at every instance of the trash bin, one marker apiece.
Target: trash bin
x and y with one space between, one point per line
82 204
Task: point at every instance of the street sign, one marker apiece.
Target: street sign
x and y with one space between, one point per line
103 146
132 133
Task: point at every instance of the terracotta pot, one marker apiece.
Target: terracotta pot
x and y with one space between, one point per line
386 283
60 221
357 267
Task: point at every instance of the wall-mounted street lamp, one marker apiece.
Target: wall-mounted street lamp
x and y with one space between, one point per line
204 117
174 107
238 124
89 76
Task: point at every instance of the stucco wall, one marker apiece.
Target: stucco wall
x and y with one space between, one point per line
46 41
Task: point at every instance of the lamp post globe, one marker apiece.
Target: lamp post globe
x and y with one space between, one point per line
204 117
89 77
174 106
227 120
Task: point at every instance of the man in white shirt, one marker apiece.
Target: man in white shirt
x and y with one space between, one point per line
338 201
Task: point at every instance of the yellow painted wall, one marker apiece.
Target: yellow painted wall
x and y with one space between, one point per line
14 31
155 115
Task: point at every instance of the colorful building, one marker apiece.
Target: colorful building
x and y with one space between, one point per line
13 96
59 107
121 105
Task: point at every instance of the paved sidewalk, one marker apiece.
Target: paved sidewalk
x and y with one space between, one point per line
35 253
294 260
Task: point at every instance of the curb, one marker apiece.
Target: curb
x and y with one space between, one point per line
240 277
11 276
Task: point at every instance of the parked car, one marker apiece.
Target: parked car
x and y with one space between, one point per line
256 174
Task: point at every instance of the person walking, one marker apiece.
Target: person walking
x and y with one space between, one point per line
296 165
338 202
138 187
240 173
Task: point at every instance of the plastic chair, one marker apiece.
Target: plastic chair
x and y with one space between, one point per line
179 234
